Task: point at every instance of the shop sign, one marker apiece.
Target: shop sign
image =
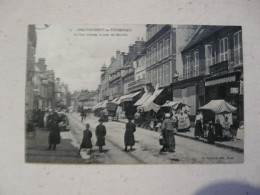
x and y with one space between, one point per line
234 90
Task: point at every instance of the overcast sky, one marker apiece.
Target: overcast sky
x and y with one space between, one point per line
77 59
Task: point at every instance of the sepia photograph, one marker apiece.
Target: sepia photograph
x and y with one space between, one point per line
134 94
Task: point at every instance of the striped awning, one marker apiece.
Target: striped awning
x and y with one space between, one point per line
221 81
142 99
128 98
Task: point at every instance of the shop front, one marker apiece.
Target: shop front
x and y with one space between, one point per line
191 92
226 87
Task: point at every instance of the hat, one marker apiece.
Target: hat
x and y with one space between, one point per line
167 115
100 120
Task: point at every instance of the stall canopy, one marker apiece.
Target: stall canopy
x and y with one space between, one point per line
148 104
142 99
129 97
219 106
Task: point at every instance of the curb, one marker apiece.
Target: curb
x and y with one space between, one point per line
237 149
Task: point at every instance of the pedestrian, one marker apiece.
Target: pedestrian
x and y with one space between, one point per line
54 136
182 126
82 113
129 134
100 133
86 140
218 130
198 125
227 135
211 133
168 134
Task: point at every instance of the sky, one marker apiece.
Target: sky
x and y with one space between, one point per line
77 60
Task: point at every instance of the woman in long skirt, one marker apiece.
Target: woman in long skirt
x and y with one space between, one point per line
129 134
198 125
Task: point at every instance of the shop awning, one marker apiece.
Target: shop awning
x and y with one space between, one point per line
129 97
115 100
97 105
142 99
221 81
148 104
104 104
218 107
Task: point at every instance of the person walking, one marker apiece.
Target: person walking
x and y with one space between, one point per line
168 134
82 113
129 134
218 130
198 125
211 133
100 134
86 140
54 136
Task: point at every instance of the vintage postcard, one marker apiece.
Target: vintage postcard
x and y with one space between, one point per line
134 94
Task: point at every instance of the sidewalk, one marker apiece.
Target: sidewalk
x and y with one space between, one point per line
236 145
35 151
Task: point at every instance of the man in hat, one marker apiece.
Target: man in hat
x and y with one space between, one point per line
168 134
129 138
100 134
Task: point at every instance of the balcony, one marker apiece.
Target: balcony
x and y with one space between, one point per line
219 68
135 85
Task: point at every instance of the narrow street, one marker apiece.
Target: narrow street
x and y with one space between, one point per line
146 149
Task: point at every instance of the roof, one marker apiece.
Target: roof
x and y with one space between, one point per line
200 34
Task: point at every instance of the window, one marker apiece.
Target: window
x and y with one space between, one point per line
148 77
187 68
196 63
160 51
209 57
166 48
238 53
155 54
154 77
167 74
160 77
223 48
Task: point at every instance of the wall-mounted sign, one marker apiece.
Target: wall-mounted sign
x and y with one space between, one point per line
234 90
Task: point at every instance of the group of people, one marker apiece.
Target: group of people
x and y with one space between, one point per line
213 131
168 129
100 132
153 120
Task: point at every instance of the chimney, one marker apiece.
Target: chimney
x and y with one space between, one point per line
112 59
131 48
117 53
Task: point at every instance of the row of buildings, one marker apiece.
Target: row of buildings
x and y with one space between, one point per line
194 64
84 98
43 90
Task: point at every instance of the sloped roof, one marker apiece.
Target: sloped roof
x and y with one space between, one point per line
200 34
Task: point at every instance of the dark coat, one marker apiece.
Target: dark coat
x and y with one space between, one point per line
100 133
54 136
198 128
211 134
129 134
86 141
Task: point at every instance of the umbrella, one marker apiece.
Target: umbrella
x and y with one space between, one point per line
218 107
